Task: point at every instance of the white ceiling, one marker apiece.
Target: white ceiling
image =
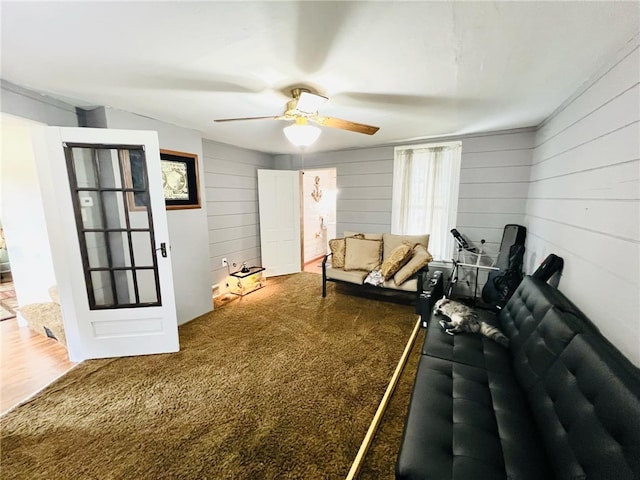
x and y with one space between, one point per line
415 69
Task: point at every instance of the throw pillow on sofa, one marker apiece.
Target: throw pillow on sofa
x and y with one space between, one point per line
392 240
396 259
337 252
337 246
362 254
420 258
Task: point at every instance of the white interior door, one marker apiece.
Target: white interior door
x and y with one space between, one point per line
105 214
279 200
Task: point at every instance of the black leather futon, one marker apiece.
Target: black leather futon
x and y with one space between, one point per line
560 403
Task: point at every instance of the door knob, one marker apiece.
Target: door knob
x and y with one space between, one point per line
163 249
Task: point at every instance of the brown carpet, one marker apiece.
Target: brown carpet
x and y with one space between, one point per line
279 384
380 462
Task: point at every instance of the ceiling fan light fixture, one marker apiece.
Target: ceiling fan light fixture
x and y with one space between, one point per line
301 134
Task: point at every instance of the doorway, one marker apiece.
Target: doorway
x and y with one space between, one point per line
30 360
116 295
297 211
319 189
8 301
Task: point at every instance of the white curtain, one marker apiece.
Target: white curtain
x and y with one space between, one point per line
425 194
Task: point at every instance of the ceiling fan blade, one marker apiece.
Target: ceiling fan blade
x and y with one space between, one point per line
345 125
273 117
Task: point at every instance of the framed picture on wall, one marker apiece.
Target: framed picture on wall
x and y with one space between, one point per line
180 179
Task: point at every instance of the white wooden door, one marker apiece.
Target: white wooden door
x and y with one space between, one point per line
279 200
106 219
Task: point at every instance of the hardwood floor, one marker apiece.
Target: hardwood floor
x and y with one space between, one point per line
29 363
8 300
314 266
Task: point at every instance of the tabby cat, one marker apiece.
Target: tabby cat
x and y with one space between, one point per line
464 319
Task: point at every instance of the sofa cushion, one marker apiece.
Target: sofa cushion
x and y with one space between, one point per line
468 423
391 241
351 276
468 348
362 254
527 307
545 343
398 257
358 276
420 258
587 406
410 285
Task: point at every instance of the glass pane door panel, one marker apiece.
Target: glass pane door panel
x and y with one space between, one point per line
124 286
84 167
137 178
146 281
139 219
108 168
102 288
142 249
114 209
119 247
96 248
91 209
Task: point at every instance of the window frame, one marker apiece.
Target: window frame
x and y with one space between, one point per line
453 197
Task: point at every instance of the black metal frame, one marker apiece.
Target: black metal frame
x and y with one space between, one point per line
421 274
190 160
81 230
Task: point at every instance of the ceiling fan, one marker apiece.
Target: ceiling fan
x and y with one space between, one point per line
303 107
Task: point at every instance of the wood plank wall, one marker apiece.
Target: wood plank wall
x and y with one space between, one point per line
494 181
493 192
364 178
231 183
583 201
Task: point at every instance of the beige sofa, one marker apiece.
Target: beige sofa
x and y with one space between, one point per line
360 259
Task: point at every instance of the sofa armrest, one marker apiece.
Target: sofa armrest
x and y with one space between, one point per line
324 274
423 275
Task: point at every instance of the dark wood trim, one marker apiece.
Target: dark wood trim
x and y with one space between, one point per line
194 157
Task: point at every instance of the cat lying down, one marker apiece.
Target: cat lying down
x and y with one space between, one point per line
464 319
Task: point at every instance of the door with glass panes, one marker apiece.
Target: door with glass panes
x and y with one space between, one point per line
105 213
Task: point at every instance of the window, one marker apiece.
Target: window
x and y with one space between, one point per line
425 193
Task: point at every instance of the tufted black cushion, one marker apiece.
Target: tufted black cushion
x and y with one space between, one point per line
468 423
543 345
527 307
469 348
587 406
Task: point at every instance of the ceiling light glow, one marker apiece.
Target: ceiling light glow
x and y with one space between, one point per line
301 134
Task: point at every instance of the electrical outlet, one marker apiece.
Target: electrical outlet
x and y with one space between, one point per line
224 262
